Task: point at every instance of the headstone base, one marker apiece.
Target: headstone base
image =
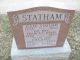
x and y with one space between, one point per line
58 53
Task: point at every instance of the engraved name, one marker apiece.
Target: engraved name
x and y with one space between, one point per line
40 16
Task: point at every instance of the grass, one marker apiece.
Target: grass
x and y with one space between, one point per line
74 37
6 38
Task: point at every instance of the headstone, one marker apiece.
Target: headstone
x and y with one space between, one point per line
58 53
39 27
42 25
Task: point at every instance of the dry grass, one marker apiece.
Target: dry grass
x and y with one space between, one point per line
74 37
6 38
